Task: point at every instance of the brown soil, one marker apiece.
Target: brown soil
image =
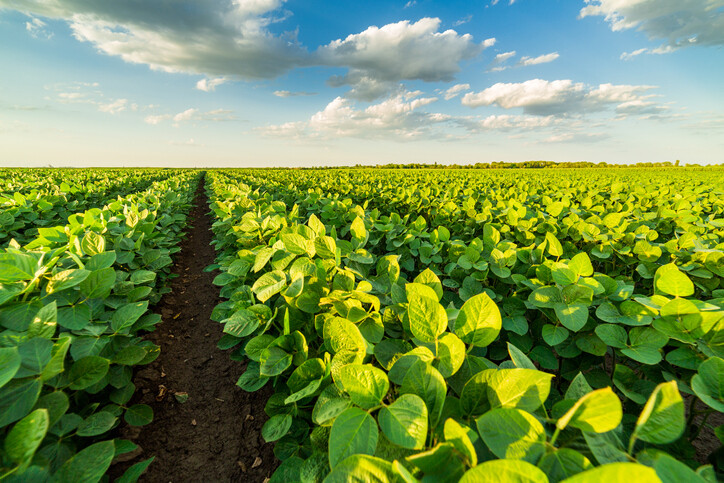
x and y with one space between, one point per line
216 434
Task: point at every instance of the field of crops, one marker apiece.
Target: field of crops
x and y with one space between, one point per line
406 325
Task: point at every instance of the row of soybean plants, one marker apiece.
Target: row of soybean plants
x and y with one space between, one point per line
32 200
73 303
382 371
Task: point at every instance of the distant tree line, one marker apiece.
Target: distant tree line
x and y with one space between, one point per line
523 164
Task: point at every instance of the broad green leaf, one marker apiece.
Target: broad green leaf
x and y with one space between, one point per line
93 243
519 358
127 315
139 415
513 434
132 474
670 280
269 284
353 432
580 264
66 279
563 463
554 246
504 471
25 437
428 277
295 243
633 472
598 412
479 321
96 424
428 319
89 465
17 398
9 364
404 422
708 383
425 381
99 283
613 335
276 427
274 360
459 437
525 389
450 354
330 403
662 420
87 371
365 384
360 468
672 471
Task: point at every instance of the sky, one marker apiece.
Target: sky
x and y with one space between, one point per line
310 83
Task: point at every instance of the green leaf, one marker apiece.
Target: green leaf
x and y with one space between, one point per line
17 398
93 243
708 383
613 335
129 355
670 280
276 427
269 284
554 247
504 471
479 321
96 424
427 382
325 247
662 420
127 315
428 277
513 434
66 279
554 334
353 432
295 243
343 335
519 358
274 360
89 465
365 384
573 317
25 437
450 354
99 283
458 436
330 403
633 472
9 364
428 319
525 389
404 422
581 265
132 474
672 471
563 463
598 412
87 371
139 415
361 468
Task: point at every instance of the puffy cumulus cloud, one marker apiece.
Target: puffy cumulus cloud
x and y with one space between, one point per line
215 37
233 39
192 114
398 117
679 23
561 97
380 57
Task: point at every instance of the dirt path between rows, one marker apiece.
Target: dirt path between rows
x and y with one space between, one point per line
215 435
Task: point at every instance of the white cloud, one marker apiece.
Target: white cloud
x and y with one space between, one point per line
398 117
679 23
455 90
293 94
192 114
541 59
561 97
114 107
233 39
210 84
500 58
506 122
380 57
575 137
631 55
37 29
411 3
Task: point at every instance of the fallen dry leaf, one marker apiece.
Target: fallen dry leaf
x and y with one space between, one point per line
257 462
193 422
161 392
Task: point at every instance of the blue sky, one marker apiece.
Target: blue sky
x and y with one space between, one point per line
274 83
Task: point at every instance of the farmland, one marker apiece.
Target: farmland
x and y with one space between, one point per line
380 325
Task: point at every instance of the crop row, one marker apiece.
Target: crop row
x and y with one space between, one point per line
390 357
73 305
